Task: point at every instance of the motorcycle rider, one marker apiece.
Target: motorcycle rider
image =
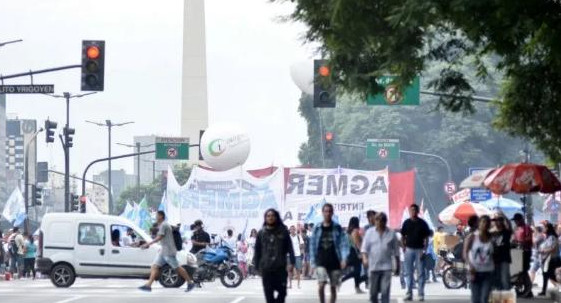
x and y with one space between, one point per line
271 247
200 238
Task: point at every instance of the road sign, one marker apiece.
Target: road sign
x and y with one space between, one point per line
27 89
172 148
382 149
392 95
450 187
480 194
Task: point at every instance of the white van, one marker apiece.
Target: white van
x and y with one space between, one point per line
86 245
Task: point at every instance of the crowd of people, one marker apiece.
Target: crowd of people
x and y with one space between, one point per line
17 254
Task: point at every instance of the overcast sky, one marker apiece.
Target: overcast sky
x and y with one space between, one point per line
248 58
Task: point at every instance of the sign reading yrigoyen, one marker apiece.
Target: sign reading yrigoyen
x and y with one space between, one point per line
27 89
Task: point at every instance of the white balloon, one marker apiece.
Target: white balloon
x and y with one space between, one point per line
225 146
302 74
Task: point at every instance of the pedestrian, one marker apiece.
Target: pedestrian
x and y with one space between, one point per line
354 261
271 248
538 238
230 239
523 237
549 250
251 252
29 257
429 260
241 251
401 260
16 247
439 246
200 238
501 256
297 246
167 254
379 247
2 254
329 250
478 252
306 269
414 236
371 216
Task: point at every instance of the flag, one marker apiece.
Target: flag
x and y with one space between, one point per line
143 218
127 212
315 214
14 210
162 205
91 208
427 218
173 200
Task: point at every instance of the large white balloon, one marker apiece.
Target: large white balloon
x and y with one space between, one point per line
302 74
225 146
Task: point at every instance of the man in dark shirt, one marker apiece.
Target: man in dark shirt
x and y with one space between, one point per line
414 233
200 238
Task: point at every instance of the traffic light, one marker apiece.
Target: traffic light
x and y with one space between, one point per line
83 204
50 127
68 133
324 89
75 200
329 143
37 195
93 65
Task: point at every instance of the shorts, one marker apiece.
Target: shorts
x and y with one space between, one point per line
160 261
536 265
298 262
331 276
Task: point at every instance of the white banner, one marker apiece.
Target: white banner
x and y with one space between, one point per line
231 199
352 192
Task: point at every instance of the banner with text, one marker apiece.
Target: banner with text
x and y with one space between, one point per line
352 192
231 199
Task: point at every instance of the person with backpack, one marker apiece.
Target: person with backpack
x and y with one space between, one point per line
272 246
329 250
16 248
171 242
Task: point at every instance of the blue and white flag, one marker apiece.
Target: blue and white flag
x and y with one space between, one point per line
128 211
315 214
14 210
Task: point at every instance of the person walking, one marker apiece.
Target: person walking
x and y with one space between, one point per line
29 257
478 252
297 246
549 250
16 247
354 260
536 263
167 254
251 251
200 238
429 260
501 256
241 252
329 250
271 248
414 237
523 237
379 247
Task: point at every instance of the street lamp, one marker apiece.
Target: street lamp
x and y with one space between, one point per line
26 177
138 146
9 42
109 126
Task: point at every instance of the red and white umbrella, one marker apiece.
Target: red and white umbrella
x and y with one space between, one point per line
460 212
522 178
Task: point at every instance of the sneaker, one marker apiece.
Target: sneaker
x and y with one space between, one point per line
408 297
145 288
421 298
190 287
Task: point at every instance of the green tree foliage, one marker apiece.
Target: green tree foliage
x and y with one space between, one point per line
153 191
367 38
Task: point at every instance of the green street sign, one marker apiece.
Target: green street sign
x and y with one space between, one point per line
172 148
394 96
382 149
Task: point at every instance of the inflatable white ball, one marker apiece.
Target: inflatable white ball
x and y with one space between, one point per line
225 146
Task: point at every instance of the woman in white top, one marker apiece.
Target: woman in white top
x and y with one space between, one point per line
251 252
478 252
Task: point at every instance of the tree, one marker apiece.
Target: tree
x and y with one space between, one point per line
364 39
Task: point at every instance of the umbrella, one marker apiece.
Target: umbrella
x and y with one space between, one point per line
460 212
508 206
476 179
522 178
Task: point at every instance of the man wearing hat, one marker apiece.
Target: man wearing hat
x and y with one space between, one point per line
200 238
523 237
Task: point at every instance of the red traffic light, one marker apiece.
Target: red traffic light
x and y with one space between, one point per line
83 199
328 136
92 52
324 71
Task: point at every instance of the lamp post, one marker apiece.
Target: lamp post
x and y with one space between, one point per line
138 147
26 177
109 126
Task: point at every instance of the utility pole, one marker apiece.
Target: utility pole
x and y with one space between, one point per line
138 146
66 141
109 126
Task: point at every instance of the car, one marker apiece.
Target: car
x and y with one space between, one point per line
81 245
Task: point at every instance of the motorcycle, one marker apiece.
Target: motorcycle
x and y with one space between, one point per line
217 261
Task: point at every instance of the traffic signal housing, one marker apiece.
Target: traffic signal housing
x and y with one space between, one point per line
83 204
75 201
93 65
37 195
50 127
329 144
324 88
68 133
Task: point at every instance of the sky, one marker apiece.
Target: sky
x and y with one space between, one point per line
249 54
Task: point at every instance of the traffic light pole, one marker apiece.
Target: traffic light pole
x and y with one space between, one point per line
67 157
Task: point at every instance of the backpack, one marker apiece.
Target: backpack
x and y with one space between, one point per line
13 248
177 238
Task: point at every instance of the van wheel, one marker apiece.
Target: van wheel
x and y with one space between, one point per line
62 275
169 278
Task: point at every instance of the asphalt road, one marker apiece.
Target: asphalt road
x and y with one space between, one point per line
125 291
